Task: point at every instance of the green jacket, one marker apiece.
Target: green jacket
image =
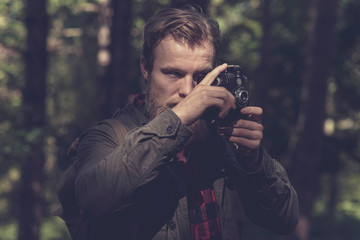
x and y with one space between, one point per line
136 189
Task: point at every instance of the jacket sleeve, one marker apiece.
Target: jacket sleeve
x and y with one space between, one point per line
108 174
267 195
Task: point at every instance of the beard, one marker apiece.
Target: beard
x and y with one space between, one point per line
155 105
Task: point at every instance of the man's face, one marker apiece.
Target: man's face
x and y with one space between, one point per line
176 68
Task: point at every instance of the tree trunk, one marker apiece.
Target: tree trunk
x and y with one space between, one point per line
262 82
307 153
35 58
104 58
114 80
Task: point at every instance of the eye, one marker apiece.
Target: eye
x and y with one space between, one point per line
174 74
199 77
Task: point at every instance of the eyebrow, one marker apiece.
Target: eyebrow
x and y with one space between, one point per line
170 69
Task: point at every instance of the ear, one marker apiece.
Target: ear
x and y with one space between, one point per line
143 67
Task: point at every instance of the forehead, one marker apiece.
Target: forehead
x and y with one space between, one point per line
170 50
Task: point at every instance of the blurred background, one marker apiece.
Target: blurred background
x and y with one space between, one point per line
65 64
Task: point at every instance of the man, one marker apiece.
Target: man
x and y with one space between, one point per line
174 176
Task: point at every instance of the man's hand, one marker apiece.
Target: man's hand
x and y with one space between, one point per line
246 135
204 96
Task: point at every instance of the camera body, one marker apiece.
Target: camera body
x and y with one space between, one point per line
237 84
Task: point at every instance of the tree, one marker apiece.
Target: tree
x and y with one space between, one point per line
34 93
309 133
114 81
262 82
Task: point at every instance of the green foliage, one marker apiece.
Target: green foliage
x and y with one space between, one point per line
349 190
11 15
8 231
74 5
52 229
241 32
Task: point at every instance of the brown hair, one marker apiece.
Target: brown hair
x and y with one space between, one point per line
187 25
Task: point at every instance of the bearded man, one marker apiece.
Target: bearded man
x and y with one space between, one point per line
174 176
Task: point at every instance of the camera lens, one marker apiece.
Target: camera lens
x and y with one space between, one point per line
242 97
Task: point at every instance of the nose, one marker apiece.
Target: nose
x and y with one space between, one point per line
186 87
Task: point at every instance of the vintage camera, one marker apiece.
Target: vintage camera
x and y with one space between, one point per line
235 82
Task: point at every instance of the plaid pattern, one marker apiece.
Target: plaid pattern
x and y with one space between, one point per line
139 99
203 218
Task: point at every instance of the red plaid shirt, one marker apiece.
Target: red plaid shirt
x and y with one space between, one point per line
203 217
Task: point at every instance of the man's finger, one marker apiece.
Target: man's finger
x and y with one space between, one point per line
248 124
252 144
210 77
253 113
241 132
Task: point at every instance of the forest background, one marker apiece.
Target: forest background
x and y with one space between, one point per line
65 64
